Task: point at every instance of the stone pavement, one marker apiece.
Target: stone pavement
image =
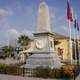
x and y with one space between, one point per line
78 78
9 77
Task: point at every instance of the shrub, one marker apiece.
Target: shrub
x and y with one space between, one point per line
42 72
10 69
48 72
2 65
68 70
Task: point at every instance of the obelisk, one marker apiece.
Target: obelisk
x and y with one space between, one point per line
43 53
43 18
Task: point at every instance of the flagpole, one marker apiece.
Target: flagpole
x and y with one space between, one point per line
78 38
70 42
77 44
78 51
70 19
74 30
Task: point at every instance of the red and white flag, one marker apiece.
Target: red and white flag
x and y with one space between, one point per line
69 13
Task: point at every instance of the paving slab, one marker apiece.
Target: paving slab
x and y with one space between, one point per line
78 78
10 77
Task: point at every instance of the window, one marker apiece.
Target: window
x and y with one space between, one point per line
51 44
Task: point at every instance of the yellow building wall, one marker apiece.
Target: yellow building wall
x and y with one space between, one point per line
64 44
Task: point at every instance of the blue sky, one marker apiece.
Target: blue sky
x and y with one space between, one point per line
20 17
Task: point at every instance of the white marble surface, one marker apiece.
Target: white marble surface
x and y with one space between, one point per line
45 60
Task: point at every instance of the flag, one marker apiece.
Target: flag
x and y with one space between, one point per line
76 26
75 23
69 13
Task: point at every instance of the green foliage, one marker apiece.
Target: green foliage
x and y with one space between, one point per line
10 69
56 42
71 70
23 40
42 72
68 70
64 72
2 65
6 50
2 53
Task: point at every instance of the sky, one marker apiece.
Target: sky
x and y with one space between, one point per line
19 17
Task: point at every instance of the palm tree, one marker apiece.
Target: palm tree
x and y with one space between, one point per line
7 50
23 40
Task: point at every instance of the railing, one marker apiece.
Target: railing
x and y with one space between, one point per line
32 72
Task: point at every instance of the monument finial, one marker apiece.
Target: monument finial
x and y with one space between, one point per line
42 1
43 18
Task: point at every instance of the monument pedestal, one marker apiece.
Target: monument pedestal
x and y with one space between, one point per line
43 52
43 59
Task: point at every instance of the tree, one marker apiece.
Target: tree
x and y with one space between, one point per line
23 40
7 50
56 42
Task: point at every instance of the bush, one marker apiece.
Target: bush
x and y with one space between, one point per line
48 72
2 65
10 69
3 68
68 70
42 72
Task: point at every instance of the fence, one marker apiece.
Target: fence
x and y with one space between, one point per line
45 73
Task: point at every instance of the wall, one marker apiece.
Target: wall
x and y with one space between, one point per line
64 44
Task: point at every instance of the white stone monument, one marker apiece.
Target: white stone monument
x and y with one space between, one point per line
43 18
43 51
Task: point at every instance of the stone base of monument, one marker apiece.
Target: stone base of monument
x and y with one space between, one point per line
51 60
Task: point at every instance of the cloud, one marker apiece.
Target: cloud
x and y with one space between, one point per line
4 18
10 36
5 12
13 33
